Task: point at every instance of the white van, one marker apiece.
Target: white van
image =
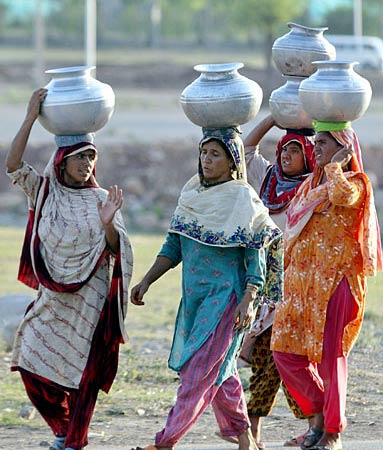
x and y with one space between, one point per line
367 50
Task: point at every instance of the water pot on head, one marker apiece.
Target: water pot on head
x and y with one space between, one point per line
335 92
76 103
221 97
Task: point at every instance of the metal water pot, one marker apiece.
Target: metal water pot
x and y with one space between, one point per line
294 52
76 103
335 92
286 107
221 97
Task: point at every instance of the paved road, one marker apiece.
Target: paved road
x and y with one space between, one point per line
162 118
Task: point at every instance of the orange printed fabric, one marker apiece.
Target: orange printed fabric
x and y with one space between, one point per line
327 249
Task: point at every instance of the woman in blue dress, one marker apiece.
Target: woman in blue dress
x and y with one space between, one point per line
231 254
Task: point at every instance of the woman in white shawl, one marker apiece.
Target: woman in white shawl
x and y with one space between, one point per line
231 255
77 256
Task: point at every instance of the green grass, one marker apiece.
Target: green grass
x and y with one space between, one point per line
129 55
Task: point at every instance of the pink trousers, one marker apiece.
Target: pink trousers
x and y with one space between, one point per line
198 389
322 387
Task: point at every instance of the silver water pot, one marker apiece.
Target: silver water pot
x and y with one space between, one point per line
286 107
335 92
76 103
294 52
221 97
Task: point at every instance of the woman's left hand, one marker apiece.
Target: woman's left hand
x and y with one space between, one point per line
113 203
244 313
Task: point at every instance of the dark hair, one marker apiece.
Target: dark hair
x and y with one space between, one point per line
301 131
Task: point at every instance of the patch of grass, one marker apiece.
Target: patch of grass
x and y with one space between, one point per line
190 57
374 305
11 240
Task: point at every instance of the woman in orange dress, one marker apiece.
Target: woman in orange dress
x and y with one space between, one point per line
331 244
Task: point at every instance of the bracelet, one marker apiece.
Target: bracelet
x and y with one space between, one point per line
252 288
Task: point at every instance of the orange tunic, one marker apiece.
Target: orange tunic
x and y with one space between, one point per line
326 250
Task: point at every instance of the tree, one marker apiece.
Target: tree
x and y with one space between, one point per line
66 22
267 16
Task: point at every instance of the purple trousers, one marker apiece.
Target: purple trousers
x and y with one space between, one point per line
198 389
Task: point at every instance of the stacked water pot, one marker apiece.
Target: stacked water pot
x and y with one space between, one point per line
76 103
221 97
335 92
293 55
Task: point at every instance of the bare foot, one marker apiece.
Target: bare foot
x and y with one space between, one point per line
246 441
256 427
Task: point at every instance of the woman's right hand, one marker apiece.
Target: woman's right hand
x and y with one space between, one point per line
137 293
19 143
34 104
259 131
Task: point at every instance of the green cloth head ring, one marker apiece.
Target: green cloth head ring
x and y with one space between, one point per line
320 125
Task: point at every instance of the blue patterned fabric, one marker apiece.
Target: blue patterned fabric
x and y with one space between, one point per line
241 237
211 276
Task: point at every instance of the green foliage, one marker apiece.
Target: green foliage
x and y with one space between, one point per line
267 16
182 21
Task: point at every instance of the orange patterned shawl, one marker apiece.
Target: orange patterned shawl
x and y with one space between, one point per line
332 233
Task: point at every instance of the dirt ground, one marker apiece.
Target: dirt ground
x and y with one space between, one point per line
127 424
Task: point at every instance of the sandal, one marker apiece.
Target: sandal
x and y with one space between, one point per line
58 443
333 445
312 437
326 447
296 441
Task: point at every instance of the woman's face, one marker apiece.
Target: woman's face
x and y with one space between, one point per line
216 165
78 168
325 147
292 159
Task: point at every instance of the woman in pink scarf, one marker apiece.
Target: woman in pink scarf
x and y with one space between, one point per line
332 244
66 347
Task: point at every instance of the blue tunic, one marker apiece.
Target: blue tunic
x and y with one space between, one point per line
210 277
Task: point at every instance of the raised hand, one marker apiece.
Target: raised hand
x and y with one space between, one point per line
112 204
343 155
34 104
19 143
